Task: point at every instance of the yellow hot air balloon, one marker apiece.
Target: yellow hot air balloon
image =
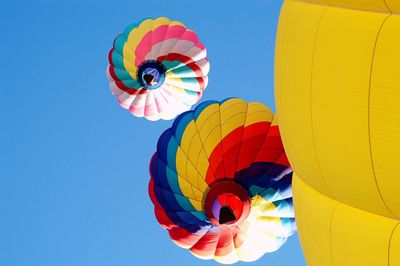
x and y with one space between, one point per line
337 74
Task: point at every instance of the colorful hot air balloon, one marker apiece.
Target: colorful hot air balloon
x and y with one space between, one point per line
338 93
221 182
157 68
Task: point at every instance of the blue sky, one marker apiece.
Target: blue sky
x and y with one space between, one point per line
74 164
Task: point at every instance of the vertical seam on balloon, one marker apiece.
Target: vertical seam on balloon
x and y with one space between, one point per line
330 232
242 138
236 115
216 244
369 118
178 174
240 229
387 6
175 44
147 103
234 246
390 241
169 188
203 149
258 151
151 37
157 53
220 130
155 94
207 156
193 164
202 141
162 96
311 106
163 39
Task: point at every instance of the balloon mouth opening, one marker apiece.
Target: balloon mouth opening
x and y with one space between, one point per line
151 74
227 203
226 215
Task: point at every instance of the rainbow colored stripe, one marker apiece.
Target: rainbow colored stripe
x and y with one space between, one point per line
221 148
183 65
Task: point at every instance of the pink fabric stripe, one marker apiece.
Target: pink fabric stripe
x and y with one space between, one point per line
149 39
138 111
160 102
143 47
158 34
173 32
200 45
150 110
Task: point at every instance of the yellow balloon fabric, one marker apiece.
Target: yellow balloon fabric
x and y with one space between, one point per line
337 74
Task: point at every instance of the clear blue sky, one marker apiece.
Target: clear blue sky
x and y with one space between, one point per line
74 164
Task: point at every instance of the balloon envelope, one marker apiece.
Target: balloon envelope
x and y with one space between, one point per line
157 68
337 95
221 182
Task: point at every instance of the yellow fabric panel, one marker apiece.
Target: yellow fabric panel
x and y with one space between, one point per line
332 233
257 112
212 138
262 208
186 187
373 5
205 115
394 252
159 22
394 5
188 135
208 124
198 205
360 237
385 113
340 91
232 123
188 178
233 115
230 103
133 40
313 219
199 194
293 66
326 62
201 161
283 17
176 23
192 146
318 2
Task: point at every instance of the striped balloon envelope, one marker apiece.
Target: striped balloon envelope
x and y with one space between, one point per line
221 182
157 68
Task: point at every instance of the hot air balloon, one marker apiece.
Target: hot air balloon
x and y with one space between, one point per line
157 68
221 183
337 95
